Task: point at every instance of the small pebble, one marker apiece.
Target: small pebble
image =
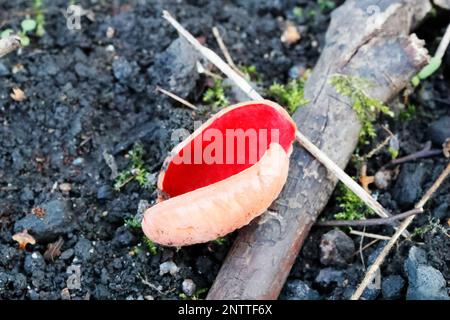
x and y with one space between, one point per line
188 286
168 267
65 294
65 187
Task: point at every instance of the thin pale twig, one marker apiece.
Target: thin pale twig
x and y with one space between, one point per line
443 45
369 235
372 271
225 51
424 153
177 98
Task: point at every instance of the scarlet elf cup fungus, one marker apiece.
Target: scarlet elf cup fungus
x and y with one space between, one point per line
223 175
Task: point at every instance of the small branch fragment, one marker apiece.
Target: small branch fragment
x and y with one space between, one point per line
225 51
369 222
424 153
53 250
9 44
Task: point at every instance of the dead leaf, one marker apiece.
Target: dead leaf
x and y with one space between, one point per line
290 34
53 250
23 238
38 211
17 94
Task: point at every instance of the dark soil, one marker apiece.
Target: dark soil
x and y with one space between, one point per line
88 94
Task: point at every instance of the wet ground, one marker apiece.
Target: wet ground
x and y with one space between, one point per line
90 99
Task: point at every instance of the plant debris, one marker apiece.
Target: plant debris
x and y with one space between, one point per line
17 94
23 238
53 250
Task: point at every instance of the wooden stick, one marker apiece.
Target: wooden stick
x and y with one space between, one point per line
369 235
177 98
9 44
443 45
371 272
369 222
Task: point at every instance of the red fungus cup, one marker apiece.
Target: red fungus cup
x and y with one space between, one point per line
223 175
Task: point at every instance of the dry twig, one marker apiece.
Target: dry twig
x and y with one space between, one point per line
176 98
369 222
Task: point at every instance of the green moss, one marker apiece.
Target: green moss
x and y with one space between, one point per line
133 223
195 296
150 245
352 207
409 113
326 5
367 109
136 171
215 96
251 73
291 95
220 241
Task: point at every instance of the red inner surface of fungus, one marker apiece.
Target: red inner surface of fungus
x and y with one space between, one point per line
230 144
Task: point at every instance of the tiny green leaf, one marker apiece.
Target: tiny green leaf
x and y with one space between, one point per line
24 40
6 33
430 68
28 25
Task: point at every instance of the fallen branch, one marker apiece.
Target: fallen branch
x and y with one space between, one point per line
372 271
9 44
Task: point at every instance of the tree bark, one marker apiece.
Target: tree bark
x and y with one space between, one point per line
368 39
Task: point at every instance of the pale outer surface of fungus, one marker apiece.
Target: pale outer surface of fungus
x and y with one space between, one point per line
213 211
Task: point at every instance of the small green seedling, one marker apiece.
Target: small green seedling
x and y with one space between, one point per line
251 73
215 96
367 109
40 17
137 170
297 12
27 26
291 95
427 71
